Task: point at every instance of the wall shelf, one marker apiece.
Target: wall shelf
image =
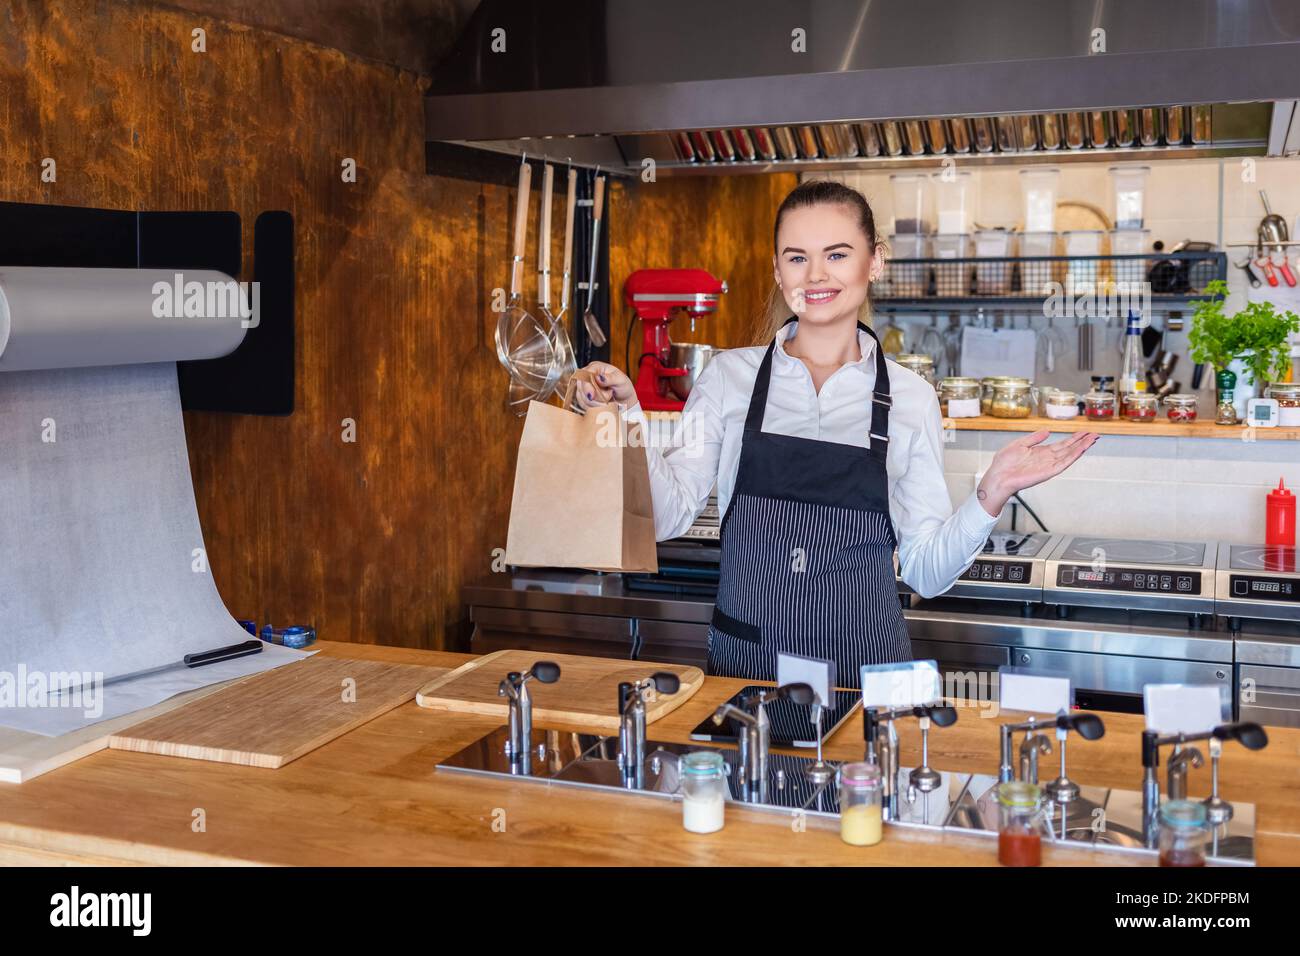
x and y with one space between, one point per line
1159 428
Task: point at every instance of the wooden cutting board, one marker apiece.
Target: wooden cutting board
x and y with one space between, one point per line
586 695
275 717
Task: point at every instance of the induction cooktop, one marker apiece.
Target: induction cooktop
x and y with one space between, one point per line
1133 574
1009 568
1257 581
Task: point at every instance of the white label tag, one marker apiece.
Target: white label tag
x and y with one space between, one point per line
813 671
894 686
1037 692
1183 708
963 407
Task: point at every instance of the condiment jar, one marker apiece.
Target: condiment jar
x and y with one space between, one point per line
986 390
1060 403
1019 841
1099 406
1180 407
1013 398
1140 406
703 784
1183 833
861 822
1288 402
959 397
922 365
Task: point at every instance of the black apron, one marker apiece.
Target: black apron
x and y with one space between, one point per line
807 549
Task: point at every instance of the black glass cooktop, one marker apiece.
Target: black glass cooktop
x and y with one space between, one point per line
1017 545
1258 557
1188 554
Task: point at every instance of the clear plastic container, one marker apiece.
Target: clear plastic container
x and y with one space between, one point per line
1129 185
1081 274
1123 126
1038 188
1129 242
1035 276
911 202
703 784
993 278
1060 403
952 278
1051 134
907 279
954 199
861 819
1202 130
959 397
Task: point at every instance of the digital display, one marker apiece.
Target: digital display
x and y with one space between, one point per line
1128 579
1266 589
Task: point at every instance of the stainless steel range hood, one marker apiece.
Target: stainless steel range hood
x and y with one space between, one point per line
730 86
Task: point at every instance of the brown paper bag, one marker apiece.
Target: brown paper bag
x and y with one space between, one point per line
582 493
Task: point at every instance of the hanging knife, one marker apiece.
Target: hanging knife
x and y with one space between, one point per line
197 659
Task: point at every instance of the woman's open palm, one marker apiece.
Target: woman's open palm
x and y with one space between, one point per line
1026 461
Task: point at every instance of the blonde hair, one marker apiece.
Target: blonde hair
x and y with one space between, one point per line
814 192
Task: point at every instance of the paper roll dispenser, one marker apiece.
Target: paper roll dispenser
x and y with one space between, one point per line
57 317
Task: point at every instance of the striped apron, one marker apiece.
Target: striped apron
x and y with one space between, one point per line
807 549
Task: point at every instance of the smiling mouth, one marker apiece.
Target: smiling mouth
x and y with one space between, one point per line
820 296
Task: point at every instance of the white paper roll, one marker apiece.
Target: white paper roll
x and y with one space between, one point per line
73 318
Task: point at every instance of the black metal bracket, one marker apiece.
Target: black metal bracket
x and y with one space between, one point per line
258 377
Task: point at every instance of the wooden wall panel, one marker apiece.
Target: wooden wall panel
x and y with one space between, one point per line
370 541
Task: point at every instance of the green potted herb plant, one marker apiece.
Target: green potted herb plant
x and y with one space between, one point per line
1258 335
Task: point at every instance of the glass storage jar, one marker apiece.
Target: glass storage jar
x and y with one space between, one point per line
1180 407
986 390
959 397
1019 841
1060 403
1099 406
1288 402
1014 398
1182 833
922 365
703 782
861 821
1140 406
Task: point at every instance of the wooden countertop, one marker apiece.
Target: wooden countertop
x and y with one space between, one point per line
372 797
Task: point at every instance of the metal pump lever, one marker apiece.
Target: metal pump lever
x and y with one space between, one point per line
755 735
1250 735
882 750
520 719
1062 789
632 723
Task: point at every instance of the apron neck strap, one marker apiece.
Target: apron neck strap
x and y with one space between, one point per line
880 400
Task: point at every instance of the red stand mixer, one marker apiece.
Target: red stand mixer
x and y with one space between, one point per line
657 296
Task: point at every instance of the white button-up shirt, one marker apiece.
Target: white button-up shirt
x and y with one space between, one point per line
935 544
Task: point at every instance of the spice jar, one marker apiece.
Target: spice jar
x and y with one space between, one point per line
1099 406
861 822
1060 403
1012 399
1182 833
986 390
703 785
922 365
959 397
1140 406
1288 402
1019 841
1180 407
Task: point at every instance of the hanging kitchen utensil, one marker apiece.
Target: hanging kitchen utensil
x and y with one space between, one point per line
523 342
594 332
559 337
1272 228
1085 343
565 356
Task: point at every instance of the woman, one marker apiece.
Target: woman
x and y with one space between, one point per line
826 457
